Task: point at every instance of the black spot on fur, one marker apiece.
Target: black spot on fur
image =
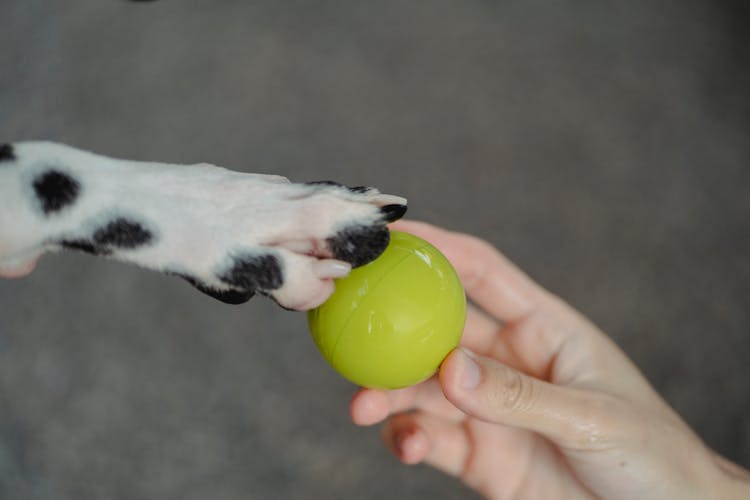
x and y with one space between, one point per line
84 246
393 212
324 183
252 273
55 190
7 153
355 189
359 245
122 233
227 296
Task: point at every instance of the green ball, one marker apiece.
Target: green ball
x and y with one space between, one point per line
390 323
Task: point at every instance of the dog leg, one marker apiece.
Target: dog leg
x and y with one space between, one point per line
230 234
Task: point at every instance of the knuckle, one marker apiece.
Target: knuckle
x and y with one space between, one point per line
480 246
511 391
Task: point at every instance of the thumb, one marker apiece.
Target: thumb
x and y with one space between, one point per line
493 392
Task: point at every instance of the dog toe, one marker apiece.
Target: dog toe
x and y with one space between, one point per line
359 245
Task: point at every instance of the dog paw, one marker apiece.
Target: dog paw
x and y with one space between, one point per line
229 234
306 236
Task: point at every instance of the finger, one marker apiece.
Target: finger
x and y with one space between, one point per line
488 277
493 392
483 335
421 437
532 346
369 407
531 337
372 406
530 353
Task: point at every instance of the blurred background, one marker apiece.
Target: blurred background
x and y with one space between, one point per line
603 146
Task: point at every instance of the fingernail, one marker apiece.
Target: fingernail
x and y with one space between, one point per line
399 441
333 269
469 369
410 446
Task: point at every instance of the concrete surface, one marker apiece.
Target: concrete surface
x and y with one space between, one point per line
602 145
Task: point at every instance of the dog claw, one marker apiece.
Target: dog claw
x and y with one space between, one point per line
383 200
329 269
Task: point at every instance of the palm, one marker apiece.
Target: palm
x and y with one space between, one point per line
473 450
478 452
529 465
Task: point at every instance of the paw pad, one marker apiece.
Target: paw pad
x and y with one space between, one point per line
254 272
393 213
231 296
84 246
359 245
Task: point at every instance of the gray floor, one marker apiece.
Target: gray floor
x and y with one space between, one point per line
602 145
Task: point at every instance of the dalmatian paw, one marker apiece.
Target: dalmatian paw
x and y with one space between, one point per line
229 234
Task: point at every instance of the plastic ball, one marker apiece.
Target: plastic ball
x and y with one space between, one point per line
390 323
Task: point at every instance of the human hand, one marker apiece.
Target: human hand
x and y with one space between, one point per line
548 407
